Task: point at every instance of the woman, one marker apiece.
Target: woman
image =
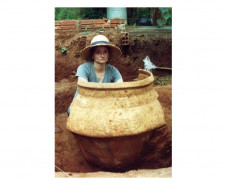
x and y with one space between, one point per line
97 69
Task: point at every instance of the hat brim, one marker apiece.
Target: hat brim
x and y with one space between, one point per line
115 52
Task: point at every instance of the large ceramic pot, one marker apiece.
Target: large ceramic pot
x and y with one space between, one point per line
112 122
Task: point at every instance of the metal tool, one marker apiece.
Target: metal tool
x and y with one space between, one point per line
148 65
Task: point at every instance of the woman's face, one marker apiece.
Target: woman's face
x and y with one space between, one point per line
100 54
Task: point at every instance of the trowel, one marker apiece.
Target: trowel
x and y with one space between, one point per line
148 65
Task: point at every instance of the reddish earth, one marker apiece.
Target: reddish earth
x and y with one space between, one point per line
68 157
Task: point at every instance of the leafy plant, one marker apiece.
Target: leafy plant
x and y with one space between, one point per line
100 30
166 17
63 50
160 22
169 77
161 83
86 31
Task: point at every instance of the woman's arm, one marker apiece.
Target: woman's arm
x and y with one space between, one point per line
82 79
119 80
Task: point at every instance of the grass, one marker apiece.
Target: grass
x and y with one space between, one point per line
163 81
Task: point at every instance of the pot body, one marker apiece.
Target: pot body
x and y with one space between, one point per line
114 153
113 122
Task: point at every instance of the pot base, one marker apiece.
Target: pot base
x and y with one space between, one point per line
115 153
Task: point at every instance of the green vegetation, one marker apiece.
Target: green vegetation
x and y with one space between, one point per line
79 13
93 13
86 31
100 30
162 81
64 50
66 13
169 77
166 17
160 16
143 12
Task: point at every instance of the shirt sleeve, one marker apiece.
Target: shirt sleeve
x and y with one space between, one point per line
116 74
83 71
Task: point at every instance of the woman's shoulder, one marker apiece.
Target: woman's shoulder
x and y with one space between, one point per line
84 69
111 67
87 63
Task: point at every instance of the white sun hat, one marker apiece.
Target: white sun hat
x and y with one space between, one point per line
100 40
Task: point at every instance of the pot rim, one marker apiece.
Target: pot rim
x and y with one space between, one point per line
139 83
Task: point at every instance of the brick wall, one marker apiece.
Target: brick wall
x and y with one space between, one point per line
68 28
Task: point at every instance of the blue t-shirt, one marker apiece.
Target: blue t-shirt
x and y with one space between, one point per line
87 72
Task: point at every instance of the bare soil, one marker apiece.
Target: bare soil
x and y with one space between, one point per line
68 157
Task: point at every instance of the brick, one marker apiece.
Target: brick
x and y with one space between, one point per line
58 27
65 27
117 21
113 25
86 26
69 22
99 21
126 34
90 21
68 27
102 25
88 29
57 23
60 31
